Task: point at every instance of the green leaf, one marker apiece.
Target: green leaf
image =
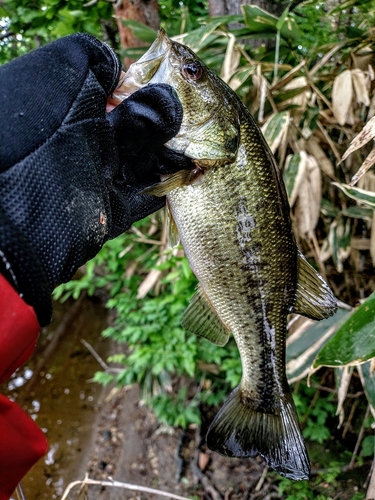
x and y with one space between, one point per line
258 20
203 36
360 195
328 208
306 341
339 238
354 341
275 128
348 4
366 374
293 175
290 30
282 19
140 30
368 446
262 22
357 212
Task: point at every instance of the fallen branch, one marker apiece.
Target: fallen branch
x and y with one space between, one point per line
102 363
259 485
116 484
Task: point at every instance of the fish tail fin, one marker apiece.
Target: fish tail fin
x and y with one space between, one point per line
240 430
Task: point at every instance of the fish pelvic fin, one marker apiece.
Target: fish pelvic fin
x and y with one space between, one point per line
201 319
240 430
173 236
314 297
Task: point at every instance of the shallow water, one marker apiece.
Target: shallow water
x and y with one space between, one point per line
60 396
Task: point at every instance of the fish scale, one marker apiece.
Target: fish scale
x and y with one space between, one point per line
250 320
233 219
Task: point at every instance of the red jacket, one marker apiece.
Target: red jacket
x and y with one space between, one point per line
22 443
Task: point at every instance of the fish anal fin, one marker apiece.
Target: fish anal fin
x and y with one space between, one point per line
201 319
314 297
239 430
178 179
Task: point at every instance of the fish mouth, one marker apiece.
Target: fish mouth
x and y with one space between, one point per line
141 72
160 46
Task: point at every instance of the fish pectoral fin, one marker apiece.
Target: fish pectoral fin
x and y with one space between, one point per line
181 178
173 237
240 430
201 319
314 297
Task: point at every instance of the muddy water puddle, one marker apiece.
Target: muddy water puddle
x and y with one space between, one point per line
54 387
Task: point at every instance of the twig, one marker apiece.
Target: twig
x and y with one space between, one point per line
334 391
149 241
19 492
205 482
314 399
228 493
329 140
93 2
102 363
351 414
259 485
360 436
116 484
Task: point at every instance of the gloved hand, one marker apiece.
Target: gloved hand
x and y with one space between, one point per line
71 174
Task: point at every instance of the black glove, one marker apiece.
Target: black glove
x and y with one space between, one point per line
71 175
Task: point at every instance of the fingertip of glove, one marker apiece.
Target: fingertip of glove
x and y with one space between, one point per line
162 110
102 60
149 117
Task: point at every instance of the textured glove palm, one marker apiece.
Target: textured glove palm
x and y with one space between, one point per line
71 175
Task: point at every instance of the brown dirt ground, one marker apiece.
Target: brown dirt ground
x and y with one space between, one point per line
130 446
108 433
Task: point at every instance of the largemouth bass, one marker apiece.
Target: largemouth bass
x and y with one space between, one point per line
233 219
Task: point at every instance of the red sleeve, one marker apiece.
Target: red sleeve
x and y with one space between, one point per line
22 443
19 330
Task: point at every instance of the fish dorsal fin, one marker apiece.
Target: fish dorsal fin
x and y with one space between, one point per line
314 297
181 178
173 237
201 319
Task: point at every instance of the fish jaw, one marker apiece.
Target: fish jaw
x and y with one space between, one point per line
141 72
209 130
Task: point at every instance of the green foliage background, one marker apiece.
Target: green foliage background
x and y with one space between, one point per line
183 376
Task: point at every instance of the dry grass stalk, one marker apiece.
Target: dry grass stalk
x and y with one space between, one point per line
117 484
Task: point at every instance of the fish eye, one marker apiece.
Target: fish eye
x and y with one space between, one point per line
192 71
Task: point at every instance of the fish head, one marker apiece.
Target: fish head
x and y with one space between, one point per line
209 131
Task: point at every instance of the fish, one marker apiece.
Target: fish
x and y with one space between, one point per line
232 216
